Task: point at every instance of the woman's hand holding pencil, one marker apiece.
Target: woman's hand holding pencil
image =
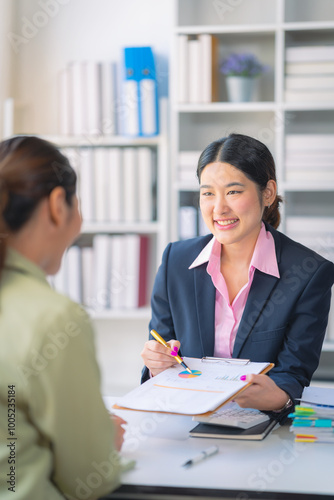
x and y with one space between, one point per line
159 355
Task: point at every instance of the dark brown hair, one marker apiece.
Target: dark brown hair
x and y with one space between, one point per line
30 168
250 156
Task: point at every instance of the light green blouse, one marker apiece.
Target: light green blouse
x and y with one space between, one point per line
56 436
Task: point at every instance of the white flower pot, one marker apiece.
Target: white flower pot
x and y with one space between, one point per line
239 88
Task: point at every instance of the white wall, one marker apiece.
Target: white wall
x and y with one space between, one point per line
118 346
54 32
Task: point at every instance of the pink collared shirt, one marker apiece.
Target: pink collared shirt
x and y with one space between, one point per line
228 316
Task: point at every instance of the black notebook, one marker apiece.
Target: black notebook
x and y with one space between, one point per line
256 433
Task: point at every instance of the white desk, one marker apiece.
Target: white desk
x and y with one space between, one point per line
275 468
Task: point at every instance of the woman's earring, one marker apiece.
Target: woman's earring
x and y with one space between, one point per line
269 206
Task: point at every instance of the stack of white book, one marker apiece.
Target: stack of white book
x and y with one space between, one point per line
115 184
309 74
197 68
191 223
309 157
316 233
88 99
187 166
113 273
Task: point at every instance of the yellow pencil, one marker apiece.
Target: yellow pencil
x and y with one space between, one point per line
164 343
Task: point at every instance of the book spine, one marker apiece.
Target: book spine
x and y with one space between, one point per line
131 113
130 177
208 67
78 96
145 184
310 53
148 105
305 96
143 271
183 75
117 277
202 227
87 259
87 185
73 273
317 175
108 98
132 265
131 94
187 222
115 185
101 246
93 98
303 142
148 96
100 178
194 71
306 82
310 68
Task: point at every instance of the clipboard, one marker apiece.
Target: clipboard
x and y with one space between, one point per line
263 372
227 361
174 391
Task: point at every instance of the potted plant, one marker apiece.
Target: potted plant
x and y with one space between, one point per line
240 71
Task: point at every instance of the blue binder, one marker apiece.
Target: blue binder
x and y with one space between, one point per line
141 117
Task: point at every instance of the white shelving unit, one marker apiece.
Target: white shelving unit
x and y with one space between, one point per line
156 230
266 28
121 334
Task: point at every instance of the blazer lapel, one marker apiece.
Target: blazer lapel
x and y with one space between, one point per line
205 294
262 287
259 294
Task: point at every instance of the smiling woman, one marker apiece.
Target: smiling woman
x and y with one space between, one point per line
240 292
253 159
234 201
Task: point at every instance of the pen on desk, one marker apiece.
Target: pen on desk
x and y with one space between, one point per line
164 343
201 456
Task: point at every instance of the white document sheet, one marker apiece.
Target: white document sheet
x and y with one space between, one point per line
171 392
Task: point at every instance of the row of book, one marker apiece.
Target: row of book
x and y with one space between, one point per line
191 223
197 68
88 99
106 98
309 157
316 233
115 184
113 273
309 73
187 166
312 423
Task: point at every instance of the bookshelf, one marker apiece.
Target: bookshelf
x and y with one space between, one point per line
155 230
122 332
267 28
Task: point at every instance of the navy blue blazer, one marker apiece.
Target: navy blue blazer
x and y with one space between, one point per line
284 320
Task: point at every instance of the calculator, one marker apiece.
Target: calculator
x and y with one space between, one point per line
231 415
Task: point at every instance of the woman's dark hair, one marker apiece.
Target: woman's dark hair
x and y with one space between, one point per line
250 156
30 168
